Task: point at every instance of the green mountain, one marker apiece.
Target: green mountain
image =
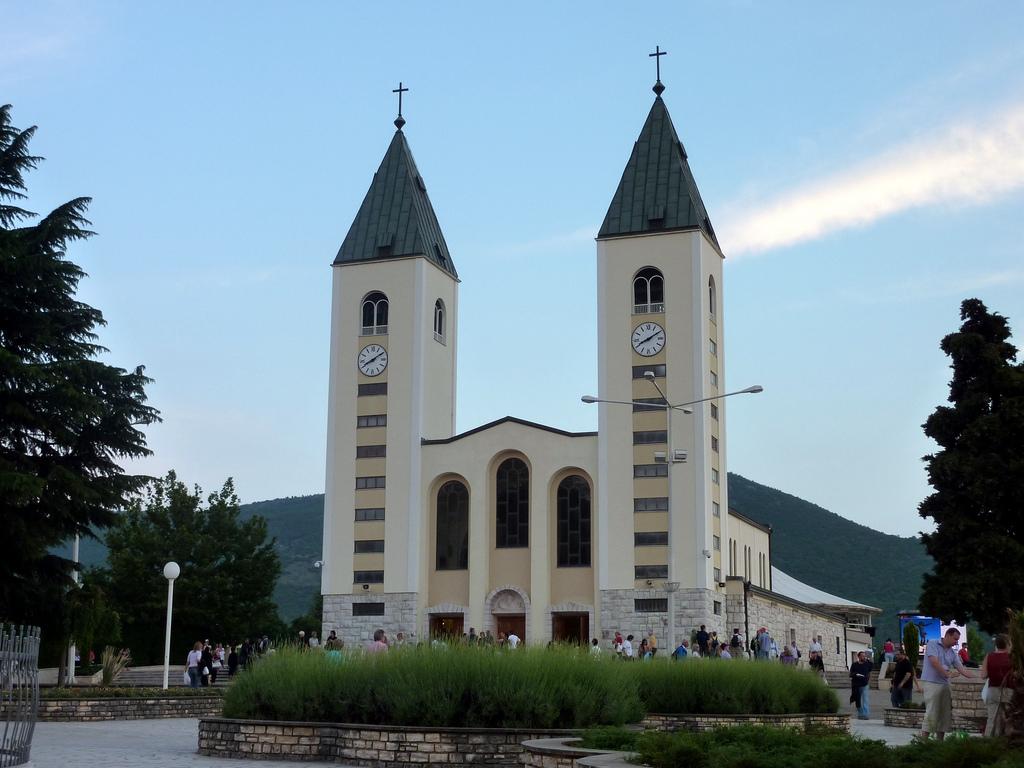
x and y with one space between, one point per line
834 554
809 543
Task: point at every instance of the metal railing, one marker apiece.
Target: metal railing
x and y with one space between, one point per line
19 691
646 309
373 330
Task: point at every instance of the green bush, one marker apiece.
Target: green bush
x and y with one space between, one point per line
125 692
732 688
759 747
610 737
528 688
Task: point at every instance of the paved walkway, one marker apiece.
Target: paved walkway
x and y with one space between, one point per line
172 744
142 743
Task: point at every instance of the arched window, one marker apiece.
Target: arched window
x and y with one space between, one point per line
648 291
512 504
453 527
439 321
375 314
712 299
573 522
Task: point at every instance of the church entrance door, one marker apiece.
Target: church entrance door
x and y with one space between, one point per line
446 625
570 628
509 623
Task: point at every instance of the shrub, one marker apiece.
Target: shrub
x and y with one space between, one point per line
759 747
528 688
610 737
113 663
732 688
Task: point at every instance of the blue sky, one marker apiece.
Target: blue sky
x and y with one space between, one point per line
863 165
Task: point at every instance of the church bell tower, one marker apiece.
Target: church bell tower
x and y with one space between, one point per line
392 384
660 324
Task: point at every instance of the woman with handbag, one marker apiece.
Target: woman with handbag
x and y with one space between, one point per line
195 657
998 675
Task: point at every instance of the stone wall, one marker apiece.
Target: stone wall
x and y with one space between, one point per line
84 710
559 753
969 711
670 723
368 745
781 617
399 616
693 607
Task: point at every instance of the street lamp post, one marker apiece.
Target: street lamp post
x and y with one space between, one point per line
671 457
171 572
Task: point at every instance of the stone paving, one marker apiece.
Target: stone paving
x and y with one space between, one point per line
172 743
142 743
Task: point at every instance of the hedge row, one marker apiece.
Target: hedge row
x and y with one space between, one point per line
526 688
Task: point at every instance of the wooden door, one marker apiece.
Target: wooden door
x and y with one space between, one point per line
570 628
509 623
446 626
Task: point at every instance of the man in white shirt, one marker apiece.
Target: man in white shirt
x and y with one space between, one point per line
627 647
513 640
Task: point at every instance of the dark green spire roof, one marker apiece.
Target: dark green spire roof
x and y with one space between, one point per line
657 192
396 217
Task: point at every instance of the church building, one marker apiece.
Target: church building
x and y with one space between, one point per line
520 527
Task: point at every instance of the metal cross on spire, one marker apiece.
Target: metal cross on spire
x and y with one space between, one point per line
400 121
658 53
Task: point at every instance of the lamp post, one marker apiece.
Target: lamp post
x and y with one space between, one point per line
171 572
671 457
73 649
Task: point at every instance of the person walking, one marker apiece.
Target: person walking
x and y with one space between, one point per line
192 667
941 664
652 642
627 648
314 641
736 644
998 674
595 647
380 642
702 640
206 666
232 662
860 677
904 681
889 649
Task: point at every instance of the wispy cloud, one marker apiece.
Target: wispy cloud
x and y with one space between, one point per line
938 286
968 162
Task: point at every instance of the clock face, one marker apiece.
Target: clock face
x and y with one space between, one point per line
373 359
648 339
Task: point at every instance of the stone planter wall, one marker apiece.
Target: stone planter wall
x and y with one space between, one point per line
84 710
968 709
560 753
369 745
669 723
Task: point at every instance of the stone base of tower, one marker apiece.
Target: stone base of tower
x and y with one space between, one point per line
693 607
357 630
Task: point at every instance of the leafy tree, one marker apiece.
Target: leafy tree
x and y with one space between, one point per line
93 621
66 419
978 476
228 569
311 620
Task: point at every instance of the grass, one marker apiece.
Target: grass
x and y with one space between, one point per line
126 692
611 737
529 688
759 747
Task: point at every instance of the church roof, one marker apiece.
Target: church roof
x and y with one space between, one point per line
657 191
396 218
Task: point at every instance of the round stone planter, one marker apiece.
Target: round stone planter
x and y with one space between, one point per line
565 753
128 708
370 745
800 722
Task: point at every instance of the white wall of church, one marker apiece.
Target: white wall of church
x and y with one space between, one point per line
420 377
685 259
473 458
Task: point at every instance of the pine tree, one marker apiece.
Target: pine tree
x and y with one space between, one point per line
977 476
66 419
